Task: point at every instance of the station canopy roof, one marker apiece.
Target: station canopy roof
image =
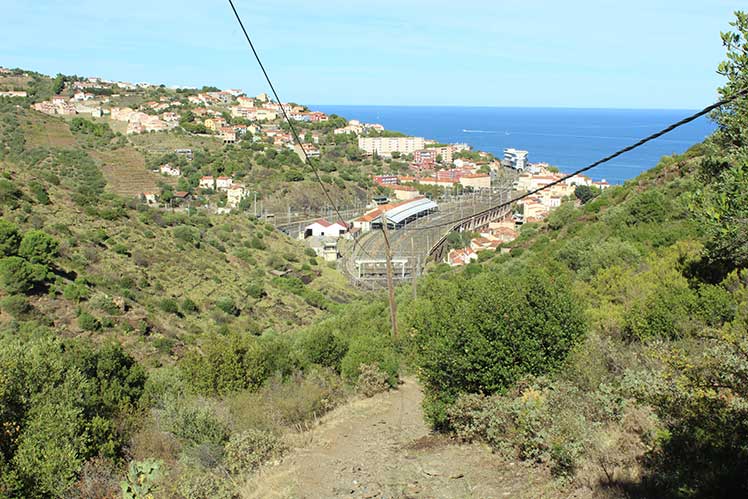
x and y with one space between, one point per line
404 211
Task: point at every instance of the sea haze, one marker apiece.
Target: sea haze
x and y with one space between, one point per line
567 138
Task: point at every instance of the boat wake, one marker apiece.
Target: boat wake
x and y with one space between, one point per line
478 131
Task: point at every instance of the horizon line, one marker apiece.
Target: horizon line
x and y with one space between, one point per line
560 107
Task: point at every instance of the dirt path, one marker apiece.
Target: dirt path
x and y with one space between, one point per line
381 448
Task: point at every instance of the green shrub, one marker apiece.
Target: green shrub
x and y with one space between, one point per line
255 290
169 305
121 249
189 306
88 322
227 305
17 306
39 192
228 364
19 276
256 243
38 247
247 450
370 350
75 291
185 234
663 313
10 195
483 334
321 346
193 422
10 238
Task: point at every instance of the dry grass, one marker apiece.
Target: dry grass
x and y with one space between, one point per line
126 174
46 131
14 82
166 142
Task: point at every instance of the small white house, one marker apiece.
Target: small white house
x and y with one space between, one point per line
207 183
223 183
234 195
149 197
169 170
323 227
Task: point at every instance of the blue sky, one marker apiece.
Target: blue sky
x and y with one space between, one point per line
576 53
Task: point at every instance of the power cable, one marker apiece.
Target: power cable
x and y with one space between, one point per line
296 137
626 149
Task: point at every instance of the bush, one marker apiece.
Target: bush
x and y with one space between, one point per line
40 193
169 305
255 290
370 350
193 422
38 247
10 238
60 408
246 451
75 291
255 243
185 234
321 346
227 305
189 306
372 380
10 195
19 276
17 306
206 485
229 364
88 322
483 334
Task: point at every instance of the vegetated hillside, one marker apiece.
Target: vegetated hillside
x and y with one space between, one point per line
609 344
271 169
156 280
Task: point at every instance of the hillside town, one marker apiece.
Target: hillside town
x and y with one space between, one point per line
426 168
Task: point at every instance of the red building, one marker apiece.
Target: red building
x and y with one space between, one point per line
385 179
425 156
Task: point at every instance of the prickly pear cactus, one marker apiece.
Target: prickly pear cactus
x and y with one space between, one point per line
140 480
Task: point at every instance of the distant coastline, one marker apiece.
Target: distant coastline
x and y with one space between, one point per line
565 137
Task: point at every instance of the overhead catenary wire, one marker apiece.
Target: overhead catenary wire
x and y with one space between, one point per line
635 145
294 133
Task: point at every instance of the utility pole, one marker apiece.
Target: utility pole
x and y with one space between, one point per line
390 284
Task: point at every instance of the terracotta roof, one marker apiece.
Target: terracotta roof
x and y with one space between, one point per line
322 222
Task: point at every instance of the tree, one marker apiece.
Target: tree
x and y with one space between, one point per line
585 193
481 334
722 204
38 247
10 239
19 276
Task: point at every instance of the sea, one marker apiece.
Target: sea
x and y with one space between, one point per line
564 137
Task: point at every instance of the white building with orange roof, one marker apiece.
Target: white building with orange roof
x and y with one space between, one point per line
459 257
223 182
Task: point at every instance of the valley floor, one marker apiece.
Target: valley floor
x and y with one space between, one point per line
381 448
